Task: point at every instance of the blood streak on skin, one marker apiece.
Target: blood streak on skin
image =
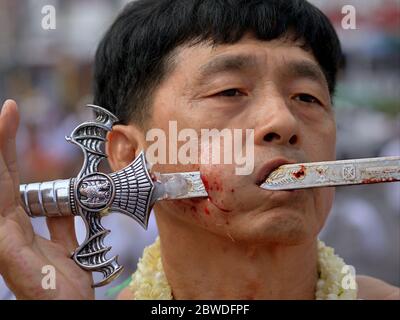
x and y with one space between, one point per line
300 173
208 188
206 183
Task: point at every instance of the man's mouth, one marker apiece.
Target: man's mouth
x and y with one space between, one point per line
269 167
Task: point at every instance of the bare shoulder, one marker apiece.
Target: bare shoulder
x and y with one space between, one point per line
374 289
126 294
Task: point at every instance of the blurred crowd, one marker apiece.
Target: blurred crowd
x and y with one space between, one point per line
48 72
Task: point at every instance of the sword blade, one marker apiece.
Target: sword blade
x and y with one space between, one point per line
334 173
179 185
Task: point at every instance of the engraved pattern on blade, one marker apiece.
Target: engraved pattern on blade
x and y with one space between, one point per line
349 172
91 254
178 185
133 191
196 185
279 177
322 174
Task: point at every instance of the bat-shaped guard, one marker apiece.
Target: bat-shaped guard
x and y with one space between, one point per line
91 194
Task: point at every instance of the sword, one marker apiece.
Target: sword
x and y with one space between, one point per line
334 173
91 194
134 190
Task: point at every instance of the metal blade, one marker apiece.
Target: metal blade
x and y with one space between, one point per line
180 185
334 173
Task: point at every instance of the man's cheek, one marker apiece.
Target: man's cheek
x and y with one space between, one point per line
326 146
321 150
323 203
217 184
195 207
219 202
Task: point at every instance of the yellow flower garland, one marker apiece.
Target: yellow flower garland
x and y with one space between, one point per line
150 283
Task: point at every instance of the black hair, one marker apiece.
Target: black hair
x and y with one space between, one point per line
132 58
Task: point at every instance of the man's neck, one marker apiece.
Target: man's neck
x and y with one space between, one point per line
202 265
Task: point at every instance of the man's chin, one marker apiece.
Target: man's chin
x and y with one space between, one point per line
281 226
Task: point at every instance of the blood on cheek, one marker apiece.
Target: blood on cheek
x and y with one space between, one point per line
212 187
195 205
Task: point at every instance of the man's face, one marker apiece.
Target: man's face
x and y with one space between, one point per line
275 88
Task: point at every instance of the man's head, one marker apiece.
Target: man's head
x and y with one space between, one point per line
269 66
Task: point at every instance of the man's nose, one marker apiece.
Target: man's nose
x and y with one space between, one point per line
277 124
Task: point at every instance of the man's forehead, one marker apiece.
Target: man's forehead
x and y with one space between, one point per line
206 59
249 51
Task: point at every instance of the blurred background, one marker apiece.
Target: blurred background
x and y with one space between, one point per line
49 72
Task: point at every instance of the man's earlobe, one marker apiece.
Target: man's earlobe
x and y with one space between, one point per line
124 143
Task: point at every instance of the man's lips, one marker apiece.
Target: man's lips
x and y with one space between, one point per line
270 166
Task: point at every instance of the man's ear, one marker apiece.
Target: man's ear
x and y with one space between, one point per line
124 143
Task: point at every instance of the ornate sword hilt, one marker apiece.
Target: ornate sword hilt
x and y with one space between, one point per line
91 194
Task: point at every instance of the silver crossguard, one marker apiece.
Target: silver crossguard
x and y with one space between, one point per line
133 190
91 194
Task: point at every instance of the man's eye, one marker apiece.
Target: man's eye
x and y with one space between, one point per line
230 93
304 97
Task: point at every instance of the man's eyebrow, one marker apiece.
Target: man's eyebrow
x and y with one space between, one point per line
225 63
305 69
239 62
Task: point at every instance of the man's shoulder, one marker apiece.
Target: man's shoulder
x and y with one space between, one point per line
370 288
